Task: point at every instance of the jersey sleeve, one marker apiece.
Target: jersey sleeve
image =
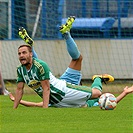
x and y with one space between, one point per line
44 71
19 76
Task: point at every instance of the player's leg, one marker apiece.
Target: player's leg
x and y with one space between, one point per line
76 96
3 90
97 84
71 45
91 103
97 87
72 74
76 62
24 35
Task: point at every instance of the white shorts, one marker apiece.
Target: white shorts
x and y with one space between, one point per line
74 97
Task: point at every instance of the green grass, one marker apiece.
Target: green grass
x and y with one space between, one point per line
65 120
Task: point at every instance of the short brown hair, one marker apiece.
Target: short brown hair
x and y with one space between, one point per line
24 45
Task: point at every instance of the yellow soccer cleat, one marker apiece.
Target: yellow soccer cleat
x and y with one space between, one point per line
24 35
66 27
105 78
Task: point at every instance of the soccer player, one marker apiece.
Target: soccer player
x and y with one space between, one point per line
56 92
127 90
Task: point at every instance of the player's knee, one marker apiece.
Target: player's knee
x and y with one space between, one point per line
96 93
80 58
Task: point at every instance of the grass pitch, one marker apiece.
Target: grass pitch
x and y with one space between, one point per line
65 120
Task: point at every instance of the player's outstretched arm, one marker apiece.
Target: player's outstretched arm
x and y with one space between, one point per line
127 90
26 103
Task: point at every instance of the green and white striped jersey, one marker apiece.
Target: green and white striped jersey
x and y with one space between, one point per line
69 94
40 71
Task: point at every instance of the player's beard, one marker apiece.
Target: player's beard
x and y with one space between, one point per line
28 62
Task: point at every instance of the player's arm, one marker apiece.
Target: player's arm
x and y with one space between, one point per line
125 92
31 104
18 94
44 72
46 92
26 103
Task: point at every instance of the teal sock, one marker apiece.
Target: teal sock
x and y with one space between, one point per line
90 103
71 46
97 84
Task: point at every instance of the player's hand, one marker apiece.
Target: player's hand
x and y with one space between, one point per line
11 97
128 90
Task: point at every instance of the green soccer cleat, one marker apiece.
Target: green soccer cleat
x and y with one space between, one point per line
66 27
105 78
24 35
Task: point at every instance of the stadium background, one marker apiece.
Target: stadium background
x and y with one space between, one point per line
103 31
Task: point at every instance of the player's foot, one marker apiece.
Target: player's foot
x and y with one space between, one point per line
66 27
6 92
105 78
24 35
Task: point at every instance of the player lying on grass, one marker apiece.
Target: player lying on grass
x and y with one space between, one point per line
56 99
127 90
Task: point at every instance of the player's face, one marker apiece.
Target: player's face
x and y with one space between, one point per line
25 56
